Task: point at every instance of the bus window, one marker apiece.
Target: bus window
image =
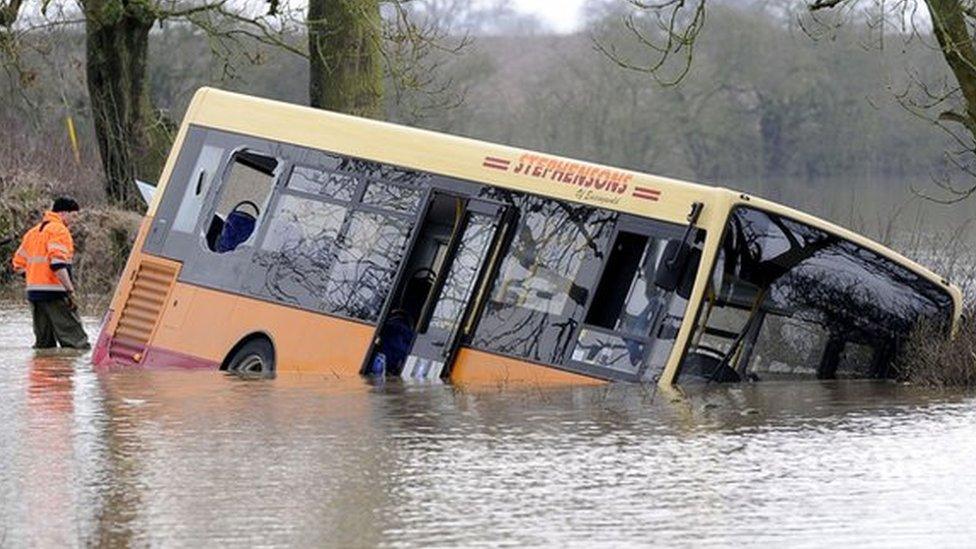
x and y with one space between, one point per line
628 314
295 256
790 301
243 197
463 274
366 261
326 247
394 197
338 186
626 299
545 279
194 196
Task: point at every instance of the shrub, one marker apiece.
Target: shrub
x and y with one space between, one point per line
36 165
103 239
23 198
933 360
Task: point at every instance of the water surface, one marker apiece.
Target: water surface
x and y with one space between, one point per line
194 458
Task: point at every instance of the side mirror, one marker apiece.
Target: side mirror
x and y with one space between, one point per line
678 259
673 261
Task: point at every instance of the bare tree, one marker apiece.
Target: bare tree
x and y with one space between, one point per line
667 32
133 137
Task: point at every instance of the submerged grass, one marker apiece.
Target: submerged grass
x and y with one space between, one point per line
930 359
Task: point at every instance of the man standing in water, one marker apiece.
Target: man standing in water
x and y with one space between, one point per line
44 257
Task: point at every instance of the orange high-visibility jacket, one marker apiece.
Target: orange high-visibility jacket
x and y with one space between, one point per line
44 249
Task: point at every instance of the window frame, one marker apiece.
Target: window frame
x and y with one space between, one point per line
354 204
217 190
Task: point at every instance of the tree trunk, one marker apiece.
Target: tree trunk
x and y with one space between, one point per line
132 138
9 12
345 70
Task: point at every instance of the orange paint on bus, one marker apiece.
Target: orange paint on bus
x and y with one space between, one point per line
207 323
478 367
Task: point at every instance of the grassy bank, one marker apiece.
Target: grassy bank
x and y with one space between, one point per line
103 234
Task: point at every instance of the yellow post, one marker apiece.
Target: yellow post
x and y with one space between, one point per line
73 137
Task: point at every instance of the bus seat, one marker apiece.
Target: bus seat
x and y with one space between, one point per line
237 228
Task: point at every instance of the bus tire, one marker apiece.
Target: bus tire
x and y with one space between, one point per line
255 358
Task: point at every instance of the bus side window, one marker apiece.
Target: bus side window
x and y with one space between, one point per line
624 296
195 194
242 201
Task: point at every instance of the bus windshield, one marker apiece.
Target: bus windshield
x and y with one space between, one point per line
787 300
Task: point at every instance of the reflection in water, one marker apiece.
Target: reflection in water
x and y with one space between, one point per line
194 458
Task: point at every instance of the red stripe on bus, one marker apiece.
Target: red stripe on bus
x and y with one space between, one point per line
646 193
646 190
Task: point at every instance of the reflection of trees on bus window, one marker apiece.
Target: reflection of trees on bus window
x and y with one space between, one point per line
394 197
298 250
385 172
460 280
326 251
367 257
243 196
338 186
788 300
543 284
549 249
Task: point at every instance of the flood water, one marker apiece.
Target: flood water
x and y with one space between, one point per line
196 458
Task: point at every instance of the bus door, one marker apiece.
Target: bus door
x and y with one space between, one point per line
445 277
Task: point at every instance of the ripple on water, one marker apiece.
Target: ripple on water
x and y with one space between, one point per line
198 458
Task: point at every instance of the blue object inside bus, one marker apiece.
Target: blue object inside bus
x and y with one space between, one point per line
396 340
237 228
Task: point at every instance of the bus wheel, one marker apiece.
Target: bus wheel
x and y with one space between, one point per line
254 358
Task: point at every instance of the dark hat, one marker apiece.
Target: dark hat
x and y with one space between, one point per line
65 204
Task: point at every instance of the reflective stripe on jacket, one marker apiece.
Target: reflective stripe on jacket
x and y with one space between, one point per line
45 248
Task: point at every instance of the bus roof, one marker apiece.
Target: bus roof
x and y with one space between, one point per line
498 165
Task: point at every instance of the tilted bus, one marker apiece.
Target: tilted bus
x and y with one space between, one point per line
287 239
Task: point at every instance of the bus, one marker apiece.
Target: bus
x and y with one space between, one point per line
282 238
